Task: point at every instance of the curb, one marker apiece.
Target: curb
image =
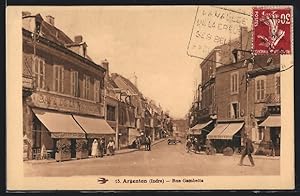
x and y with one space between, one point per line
116 153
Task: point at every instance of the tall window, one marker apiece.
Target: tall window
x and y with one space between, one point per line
260 88
97 90
234 110
277 83
111 113
86 86
234 84
39 72
74 83
58 74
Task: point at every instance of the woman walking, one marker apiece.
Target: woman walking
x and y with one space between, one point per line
94 148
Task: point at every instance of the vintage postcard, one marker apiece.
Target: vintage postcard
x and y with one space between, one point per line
150 97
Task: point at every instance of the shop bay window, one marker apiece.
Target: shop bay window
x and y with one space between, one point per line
86 87
97 91
74 83
39 72
58 74
260 89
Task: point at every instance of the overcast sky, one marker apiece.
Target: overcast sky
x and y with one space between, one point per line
148 41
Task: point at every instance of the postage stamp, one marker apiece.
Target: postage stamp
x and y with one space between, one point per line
272 30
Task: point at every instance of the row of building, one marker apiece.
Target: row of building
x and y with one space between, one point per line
69 100
239 93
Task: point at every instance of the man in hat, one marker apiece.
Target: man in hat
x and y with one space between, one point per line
247 150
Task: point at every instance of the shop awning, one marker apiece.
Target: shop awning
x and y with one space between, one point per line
59 125
201 126
94 127
271 121
214 134
229 132
225 131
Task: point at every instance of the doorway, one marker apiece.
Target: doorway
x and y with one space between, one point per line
73 148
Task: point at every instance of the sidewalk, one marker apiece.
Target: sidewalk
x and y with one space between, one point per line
118 152
238 155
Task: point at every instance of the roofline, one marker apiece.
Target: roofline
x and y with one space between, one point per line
63 49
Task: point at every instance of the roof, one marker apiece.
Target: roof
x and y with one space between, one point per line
52 33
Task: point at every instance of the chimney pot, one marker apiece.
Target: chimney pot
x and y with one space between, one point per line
50 19
78 39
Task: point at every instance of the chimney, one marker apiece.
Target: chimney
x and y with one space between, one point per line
78 39
105 64
50 19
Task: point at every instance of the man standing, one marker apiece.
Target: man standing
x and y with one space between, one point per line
247 150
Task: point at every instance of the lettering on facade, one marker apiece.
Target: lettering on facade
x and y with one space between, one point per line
58 102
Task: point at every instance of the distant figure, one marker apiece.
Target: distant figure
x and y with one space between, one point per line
100 147
111 147
196 145
148 143
94 148
188 145
137 143
43 152
247 151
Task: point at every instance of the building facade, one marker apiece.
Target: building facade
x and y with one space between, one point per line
63 92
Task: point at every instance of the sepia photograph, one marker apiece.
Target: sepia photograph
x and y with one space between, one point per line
150 97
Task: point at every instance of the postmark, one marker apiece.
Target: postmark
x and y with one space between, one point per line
272 30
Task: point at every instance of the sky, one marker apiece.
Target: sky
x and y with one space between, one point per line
150 42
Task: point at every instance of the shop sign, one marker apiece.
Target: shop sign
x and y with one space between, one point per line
58 102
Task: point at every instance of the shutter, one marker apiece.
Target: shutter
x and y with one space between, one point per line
44 75
72 83
54 78
62 79
229 110
238 110
83 84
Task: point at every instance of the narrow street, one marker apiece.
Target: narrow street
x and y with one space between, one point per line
162 160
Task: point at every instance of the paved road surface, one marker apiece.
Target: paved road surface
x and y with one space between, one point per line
163 160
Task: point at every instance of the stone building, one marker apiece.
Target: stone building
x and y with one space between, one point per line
63 92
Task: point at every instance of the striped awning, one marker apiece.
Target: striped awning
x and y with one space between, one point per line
271 121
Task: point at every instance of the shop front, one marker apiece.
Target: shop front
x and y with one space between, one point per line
200 131
95 128
55 135
270 145
226 135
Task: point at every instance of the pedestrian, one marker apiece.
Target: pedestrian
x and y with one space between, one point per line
100 148
248 150
111 146
188 145
196 145
149 143
94 148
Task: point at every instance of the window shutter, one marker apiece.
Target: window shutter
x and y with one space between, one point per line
83 84
229 110
54 78
72 83
62 79
238 110
44 75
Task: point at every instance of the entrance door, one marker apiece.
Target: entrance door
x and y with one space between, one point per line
73 148
275 137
